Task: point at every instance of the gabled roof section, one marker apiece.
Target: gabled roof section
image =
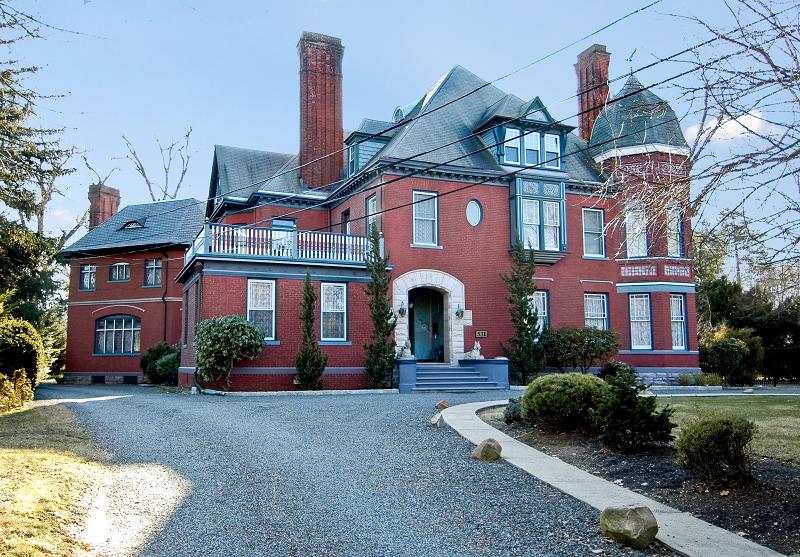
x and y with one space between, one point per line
369 127
535 111
578 162
164 223
238 172
636 117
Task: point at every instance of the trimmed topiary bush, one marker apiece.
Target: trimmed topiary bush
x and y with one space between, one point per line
728 358
512 414
222 341
21 348
149 362
628 422
563 401
612 367
716 450
570 348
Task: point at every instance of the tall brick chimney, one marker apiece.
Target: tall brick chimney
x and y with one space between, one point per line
320 108
103 203
592 70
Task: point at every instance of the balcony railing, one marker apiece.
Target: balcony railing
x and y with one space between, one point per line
281 244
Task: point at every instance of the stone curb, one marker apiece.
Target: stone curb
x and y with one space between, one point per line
308 393
678 530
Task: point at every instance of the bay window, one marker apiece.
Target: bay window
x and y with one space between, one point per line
512 146
677 307
636 232
674 231
639 314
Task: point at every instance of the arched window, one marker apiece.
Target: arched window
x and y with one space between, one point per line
117 334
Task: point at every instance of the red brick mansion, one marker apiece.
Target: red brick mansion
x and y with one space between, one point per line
452 181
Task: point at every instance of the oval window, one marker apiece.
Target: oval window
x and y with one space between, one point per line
474 213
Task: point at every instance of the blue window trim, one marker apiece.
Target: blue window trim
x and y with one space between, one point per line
602 232
266 341
646 237
434 195
560 151
685 323
562 240
607 304
525 133
335 341
630 322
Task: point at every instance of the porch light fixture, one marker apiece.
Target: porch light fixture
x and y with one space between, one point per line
460 312
402 310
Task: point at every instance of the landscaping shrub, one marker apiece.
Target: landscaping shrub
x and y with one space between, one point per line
700 379
563 401
728 358
687 379
379 352
21 348
149 362
15 392
612 367
716 450
310 362
512 413
570 348
628 422
166 368
222 341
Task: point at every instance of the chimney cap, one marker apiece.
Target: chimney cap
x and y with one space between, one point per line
312 37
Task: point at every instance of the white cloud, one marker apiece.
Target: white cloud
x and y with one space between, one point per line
735 128
62 213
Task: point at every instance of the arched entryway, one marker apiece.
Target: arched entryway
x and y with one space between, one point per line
426 324
451 291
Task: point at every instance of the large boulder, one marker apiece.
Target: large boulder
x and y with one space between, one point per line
632 526
488 450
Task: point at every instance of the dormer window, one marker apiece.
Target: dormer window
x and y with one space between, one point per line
512 146
552 150
351 160
132 224
532 146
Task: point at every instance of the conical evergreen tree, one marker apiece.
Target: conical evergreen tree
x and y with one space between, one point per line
379 353
526 350
310 361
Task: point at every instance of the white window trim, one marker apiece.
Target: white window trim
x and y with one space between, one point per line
546 225
152 265
89 269
682 320
649 321
435 219
556 163
543 316
372 216
628 227
322 311
531 136
250 282
130 324
674 212
536 223
514 142
604 298
352 164
115 267
602 232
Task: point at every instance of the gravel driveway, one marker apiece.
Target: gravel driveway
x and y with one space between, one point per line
315 475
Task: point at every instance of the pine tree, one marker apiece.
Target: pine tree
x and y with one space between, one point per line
379 353
310 361
526 351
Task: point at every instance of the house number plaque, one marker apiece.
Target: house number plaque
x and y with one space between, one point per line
481 334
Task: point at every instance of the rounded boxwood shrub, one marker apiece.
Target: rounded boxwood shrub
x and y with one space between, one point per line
563 401
149 361
716 450
222 341
570 348
613 367
728 358
512 413
166 368
21 348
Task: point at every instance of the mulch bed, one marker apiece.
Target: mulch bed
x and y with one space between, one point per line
766 512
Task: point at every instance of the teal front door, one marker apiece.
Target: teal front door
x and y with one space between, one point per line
427 324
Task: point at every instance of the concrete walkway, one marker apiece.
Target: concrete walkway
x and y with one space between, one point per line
678 530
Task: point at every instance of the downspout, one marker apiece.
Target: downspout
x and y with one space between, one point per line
164 295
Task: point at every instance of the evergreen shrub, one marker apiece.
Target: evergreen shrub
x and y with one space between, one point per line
563 401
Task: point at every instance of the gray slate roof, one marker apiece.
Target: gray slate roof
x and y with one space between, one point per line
643 118
164 223
368 126
239 172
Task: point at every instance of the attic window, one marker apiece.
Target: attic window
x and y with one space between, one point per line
131 225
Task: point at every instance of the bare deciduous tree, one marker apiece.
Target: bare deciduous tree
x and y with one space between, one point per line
174 151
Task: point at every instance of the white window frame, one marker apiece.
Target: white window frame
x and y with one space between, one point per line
678 319
251 308
535 223
114 271
550 225
552 162
601 232
513 140
352 163
372 212
90 271
673 226
534 138
541 302
322 311
645 317
592 317
415 196
636 231
153 265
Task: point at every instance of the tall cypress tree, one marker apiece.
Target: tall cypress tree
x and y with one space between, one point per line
310 361
379 353
526 350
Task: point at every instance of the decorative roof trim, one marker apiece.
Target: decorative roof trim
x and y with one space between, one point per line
642 149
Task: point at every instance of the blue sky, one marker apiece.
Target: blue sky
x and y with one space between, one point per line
152 68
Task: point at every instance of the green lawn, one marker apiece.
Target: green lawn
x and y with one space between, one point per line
777 418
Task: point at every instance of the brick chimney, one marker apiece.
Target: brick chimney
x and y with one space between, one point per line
592 70
103 204
320 108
